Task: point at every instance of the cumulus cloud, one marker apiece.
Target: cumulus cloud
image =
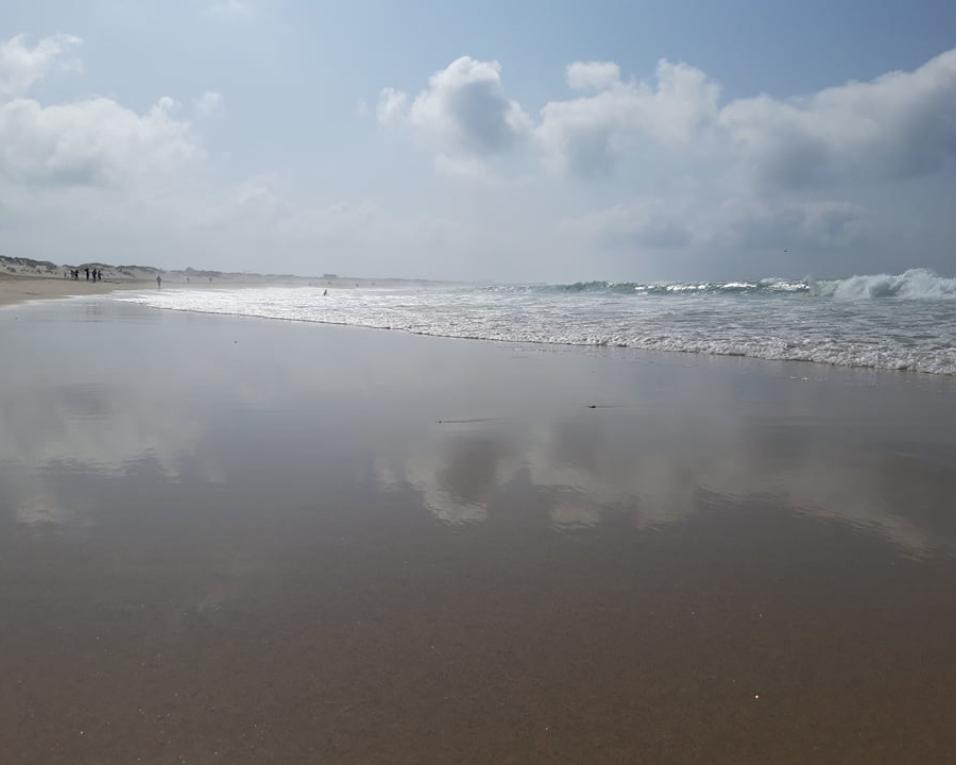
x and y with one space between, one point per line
588 136
91 142
593 75
392 106
93 177
899 125
88 142
674 171
207 104
23 65
463 109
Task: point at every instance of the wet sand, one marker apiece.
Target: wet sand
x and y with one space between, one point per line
244 541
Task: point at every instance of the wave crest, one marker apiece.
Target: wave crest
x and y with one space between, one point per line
914 284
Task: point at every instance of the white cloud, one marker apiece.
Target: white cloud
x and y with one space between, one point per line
902 124
593 75
95 178
22 66
692 182
899 125
463 110
207 104
392 106
589 136
91 142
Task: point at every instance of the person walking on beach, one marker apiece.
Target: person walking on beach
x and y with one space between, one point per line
87 273
159 282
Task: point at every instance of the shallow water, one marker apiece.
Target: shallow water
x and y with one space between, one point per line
903 322
234 540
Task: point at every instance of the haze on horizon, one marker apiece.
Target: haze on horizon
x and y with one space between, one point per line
529 142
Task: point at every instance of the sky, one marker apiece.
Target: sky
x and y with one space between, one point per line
534 141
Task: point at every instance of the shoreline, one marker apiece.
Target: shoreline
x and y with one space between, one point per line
19 290
16 290
551 344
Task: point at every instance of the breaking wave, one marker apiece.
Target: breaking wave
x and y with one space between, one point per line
900 322
914 284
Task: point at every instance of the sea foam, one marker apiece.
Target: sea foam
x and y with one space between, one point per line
901 322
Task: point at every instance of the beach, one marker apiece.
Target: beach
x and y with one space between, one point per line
15 289
238 540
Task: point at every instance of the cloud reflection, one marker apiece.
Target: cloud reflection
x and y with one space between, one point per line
457 473
656 471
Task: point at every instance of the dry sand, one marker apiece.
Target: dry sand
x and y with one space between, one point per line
19 289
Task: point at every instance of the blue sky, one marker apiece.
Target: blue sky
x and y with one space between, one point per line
284 135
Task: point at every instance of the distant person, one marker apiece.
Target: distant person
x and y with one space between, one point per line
87 273
187 280
325 293
210 280
159 282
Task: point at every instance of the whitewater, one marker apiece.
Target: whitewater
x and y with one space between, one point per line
898 322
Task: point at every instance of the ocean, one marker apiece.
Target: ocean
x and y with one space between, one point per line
897 322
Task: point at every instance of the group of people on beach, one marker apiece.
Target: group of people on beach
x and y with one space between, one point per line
92 274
